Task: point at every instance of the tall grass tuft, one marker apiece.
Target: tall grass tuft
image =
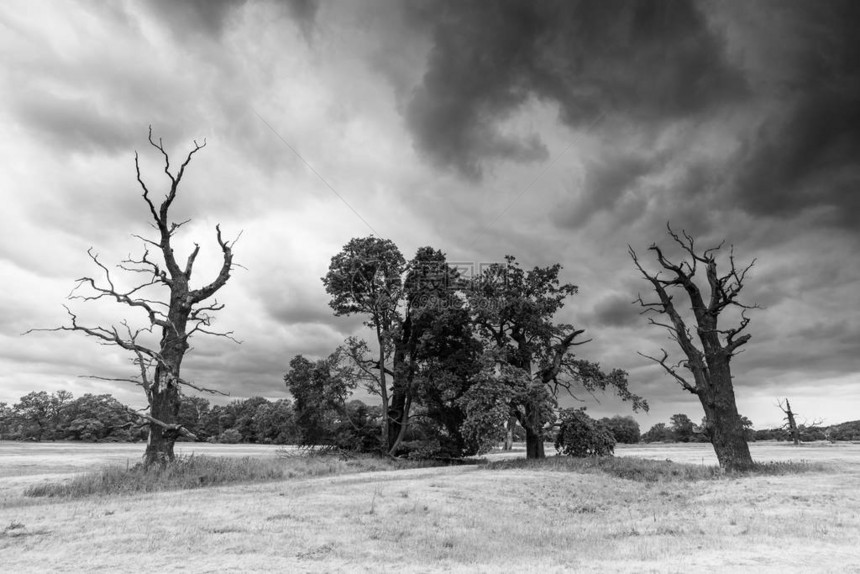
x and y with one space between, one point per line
645 470
202 471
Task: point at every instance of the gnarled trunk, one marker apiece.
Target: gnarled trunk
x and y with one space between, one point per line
164 407
165 399
534 444
534 432
725 427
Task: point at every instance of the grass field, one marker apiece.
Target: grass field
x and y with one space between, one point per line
452 519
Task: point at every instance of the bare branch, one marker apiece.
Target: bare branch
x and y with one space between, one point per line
202 389
671 370
223 275
169 427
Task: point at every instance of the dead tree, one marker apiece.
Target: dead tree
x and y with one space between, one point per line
709 363
179 313
790 421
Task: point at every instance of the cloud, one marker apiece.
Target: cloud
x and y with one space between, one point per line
208 17
647 61
803 156
615 311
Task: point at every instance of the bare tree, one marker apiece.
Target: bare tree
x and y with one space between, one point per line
185 311
793 428
708 363
790 421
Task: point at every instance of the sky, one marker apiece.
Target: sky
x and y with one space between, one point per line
551 131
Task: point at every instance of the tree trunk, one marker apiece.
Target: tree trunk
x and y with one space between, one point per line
164 400
534 444
792 424
725 427
395 416
509 434
164 406
404 426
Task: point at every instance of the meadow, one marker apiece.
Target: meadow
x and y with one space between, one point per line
503 516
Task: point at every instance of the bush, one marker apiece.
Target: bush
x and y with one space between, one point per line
230 436
579 435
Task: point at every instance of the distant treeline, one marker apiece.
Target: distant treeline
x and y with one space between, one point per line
39 416
682 429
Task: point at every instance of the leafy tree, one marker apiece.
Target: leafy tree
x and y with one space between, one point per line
624 429
275 423
682 428
358 428
6 422
426 351
246 417
192 415
580 435
320 390
39 413
365 278
181 312
487 405
513 311
749 432
658 433
446 354
98 418
709 361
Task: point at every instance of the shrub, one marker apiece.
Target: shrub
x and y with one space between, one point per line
230 436
579 435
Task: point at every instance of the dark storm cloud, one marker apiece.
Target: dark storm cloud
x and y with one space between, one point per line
205 16
304 12
807 153
646 61
68 123
615 311
606 180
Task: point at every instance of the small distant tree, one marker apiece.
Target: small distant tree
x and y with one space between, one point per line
580 435
179 310
624 429
658 433
749 431
682 428
708 360
790 421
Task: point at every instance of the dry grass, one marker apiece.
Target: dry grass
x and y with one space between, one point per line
646 470
204 471
470 519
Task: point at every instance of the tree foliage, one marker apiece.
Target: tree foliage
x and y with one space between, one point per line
624 429
513 311
580 435
682 428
